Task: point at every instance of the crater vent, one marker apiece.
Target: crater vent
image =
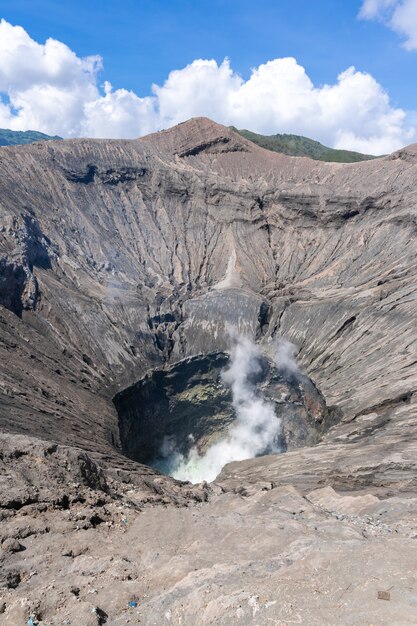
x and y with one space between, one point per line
188 404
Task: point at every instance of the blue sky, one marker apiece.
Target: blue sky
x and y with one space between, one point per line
141 42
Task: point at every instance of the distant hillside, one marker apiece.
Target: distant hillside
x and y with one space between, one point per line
16 137
296 145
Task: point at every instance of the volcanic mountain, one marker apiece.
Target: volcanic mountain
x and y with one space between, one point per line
123 265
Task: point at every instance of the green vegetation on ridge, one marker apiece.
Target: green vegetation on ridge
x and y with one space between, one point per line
296 145
17 137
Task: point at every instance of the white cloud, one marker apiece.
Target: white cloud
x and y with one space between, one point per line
119 113
399 15
372 9
47 87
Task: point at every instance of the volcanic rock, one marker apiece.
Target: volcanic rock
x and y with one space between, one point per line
123 262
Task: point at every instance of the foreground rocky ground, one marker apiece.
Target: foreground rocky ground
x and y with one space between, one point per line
273 556
82 545
126 259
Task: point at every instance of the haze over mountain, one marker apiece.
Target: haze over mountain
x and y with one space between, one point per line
123 266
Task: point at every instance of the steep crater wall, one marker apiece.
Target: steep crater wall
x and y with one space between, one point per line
121 257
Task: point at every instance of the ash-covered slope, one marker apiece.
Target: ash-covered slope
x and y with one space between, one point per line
117 256
121 257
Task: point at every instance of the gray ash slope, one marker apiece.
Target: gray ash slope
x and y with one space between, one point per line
121 257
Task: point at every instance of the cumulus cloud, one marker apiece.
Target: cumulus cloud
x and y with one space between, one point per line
399 15
371 9
48 87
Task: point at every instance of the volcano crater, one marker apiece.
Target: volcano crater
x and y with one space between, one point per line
188 405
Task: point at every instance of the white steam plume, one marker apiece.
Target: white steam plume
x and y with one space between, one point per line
256 429
284 357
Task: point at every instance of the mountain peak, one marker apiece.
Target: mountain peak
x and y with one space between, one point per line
199 135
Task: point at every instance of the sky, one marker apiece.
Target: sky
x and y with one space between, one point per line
339 72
